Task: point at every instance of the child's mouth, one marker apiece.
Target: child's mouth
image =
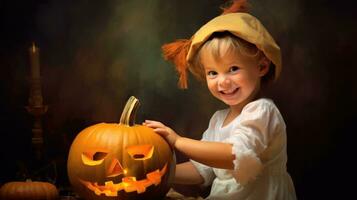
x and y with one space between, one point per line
229 92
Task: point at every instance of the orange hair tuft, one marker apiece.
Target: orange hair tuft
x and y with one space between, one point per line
176 52
235 6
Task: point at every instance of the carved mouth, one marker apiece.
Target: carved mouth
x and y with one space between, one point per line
128 184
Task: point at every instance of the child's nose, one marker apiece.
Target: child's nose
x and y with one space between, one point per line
224 80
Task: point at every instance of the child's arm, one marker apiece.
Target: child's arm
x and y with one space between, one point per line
187 174
214 154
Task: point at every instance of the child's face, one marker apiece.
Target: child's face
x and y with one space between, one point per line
233 78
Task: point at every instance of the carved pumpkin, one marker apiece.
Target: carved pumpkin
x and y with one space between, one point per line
28 191
120 161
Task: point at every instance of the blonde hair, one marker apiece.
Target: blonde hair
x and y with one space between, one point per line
228 42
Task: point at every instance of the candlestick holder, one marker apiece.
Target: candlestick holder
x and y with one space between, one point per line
37 130
35 102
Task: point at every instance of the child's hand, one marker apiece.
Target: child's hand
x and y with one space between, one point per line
170 135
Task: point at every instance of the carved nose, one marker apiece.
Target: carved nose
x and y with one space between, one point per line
115 169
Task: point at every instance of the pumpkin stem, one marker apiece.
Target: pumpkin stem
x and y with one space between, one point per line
129 113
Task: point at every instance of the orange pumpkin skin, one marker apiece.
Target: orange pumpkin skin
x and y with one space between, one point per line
119 161
28 191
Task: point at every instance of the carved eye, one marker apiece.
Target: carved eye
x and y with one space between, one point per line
92 158
140 152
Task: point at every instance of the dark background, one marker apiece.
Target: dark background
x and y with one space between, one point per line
95 54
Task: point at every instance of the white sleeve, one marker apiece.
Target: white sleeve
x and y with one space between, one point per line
259 121
205 171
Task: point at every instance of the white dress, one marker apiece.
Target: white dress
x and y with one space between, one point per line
258 139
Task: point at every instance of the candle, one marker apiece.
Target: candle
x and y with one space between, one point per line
34 61
35 99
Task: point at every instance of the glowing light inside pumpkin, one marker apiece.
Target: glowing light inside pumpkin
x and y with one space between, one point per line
128 184
93 158
115 169
140 152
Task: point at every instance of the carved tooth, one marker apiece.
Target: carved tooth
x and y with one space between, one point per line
129 179
97 192
109 193
163 170
109 183
118 187
154 177
140 188
146 183
91 186
129 187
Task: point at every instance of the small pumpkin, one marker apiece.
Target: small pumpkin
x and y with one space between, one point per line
120 160
28 190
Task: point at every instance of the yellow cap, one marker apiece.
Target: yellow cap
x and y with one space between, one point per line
244 26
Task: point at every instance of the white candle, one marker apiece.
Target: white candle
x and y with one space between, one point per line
34 61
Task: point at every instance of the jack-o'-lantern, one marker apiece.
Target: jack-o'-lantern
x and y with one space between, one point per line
120 161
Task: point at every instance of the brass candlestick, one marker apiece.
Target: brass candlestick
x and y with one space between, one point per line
35 106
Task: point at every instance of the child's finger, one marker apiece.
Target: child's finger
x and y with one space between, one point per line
152 123
161 131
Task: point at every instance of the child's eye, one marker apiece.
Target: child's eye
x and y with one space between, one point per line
211 74
233 69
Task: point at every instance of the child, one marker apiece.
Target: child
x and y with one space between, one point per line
242 154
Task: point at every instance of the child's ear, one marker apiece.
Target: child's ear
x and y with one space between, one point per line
264 65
